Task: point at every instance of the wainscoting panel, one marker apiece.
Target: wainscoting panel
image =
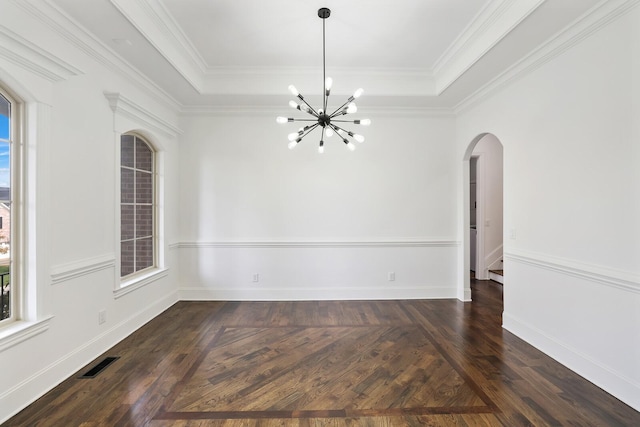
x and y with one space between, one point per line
318 270
583 317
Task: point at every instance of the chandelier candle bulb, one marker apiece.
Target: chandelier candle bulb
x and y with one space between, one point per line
327 86
322 118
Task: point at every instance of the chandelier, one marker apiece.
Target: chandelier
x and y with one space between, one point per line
329 123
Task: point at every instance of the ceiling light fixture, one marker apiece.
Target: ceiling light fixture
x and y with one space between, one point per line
327 122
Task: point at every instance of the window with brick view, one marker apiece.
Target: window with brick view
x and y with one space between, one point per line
137 205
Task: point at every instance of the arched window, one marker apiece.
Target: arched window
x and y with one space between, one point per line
137 205
10 291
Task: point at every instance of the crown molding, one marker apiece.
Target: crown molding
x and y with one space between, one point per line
593 20
70 30
492 24
155 25
128 108
275 110
27 55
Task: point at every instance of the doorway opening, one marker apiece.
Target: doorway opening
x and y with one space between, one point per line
483 208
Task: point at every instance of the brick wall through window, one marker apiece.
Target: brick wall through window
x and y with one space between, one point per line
137 205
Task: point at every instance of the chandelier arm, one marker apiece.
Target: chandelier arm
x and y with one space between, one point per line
308 131
312 111
341 108
343 121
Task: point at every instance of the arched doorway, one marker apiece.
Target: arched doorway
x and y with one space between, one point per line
483 209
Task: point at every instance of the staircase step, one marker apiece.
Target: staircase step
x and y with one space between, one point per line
496 276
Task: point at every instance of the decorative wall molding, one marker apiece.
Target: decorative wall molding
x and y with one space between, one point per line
154 22
73 270
399 243
199 293
27 55
275 110
129 108
68 29
494 22
601 275
21 331
599 16
140 282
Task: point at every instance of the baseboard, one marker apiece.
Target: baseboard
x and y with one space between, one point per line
595 372
23 394
195 293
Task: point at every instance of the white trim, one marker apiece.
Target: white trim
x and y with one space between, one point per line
20 331
33 58
275 110
162 33
594 371
605 276
195 293
482 273
494 257
397 243
26 392
597 17
139 281
66 27
491 25
128 108
64 272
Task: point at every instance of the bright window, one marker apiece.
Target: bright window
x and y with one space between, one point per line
137 206
9 294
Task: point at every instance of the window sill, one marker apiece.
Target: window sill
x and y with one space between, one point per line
21 330
140 281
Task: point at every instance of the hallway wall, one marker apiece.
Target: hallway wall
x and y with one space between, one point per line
572 203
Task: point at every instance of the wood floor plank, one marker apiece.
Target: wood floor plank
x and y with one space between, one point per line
329 363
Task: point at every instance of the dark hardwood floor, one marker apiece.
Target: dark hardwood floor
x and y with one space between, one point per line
339 363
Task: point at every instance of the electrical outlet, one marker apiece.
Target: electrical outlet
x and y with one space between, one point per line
391 276
256 277
102 317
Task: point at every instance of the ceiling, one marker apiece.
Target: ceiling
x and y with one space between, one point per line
405 53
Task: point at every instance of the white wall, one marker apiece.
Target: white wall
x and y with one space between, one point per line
70 204
317 226
572 186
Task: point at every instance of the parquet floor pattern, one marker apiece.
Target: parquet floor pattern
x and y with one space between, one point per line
329 363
